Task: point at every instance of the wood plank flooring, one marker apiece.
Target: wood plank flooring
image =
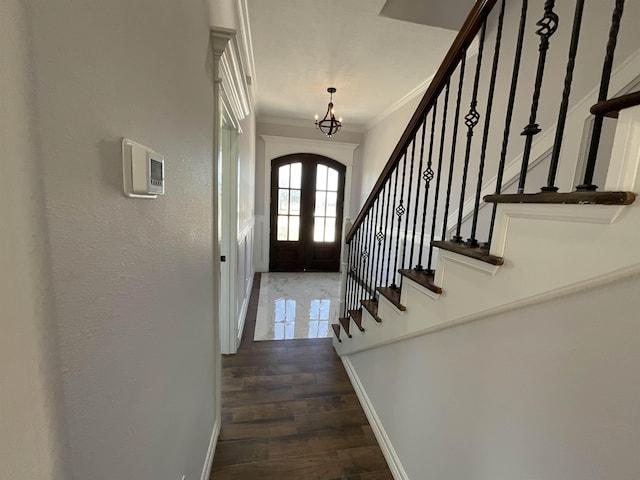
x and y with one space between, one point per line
290 412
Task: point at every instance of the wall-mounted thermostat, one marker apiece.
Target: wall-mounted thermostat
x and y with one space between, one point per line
142 171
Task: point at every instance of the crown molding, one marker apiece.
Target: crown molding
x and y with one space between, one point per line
417 91
231 74
312 145
247 42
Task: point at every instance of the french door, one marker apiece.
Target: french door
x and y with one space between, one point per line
307 197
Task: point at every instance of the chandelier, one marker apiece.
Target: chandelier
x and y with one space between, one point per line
329 125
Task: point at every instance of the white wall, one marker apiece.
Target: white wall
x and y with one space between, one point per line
379 142
132 279
31 438
548 391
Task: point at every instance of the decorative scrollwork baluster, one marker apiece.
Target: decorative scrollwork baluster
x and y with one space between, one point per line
471 119
547 26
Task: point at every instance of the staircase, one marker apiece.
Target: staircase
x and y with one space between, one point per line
455 229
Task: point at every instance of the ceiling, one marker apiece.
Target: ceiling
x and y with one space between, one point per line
301 47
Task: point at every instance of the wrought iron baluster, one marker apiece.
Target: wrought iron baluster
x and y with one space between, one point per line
454 140
400 211
415 211
366 255
471 119
347 291
393 275
587 184
406 223
437 192
359 268
353 267
512 97
380 236
564 104
427 176
375 247
547 26
385 264
473 241
370 244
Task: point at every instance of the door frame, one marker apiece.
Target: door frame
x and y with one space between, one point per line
277 146
306 218
232 104
227 238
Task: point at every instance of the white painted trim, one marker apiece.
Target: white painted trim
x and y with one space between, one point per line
260 248
390 454
625 156
279 146
275 147
544 297
445 257
243 311
208 461
595 214
419 289
244 230
231 72
247 42
417 91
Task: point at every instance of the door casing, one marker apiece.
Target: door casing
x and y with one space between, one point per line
306 255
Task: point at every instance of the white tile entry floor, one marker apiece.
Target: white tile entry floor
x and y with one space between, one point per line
297 305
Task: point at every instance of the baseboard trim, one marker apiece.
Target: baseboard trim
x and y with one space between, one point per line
397 470
208 462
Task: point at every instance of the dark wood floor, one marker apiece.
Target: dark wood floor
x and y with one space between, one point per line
290 412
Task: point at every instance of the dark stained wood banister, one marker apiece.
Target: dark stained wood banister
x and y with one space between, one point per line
465 37
611 108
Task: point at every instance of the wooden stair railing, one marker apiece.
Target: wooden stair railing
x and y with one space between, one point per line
431 175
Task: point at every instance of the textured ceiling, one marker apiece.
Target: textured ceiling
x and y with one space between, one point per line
302 47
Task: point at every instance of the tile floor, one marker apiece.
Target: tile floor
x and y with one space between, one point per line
297 305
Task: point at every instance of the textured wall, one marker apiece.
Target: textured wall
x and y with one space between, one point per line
548 391
31 441
132 279
379 142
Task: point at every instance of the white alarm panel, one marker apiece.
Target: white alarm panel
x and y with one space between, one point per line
143 170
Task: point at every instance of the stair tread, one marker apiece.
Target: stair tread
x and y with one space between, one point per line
393 295
571 198
336 331
356 315
420 277
472 252
372 307
611 107
345 323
